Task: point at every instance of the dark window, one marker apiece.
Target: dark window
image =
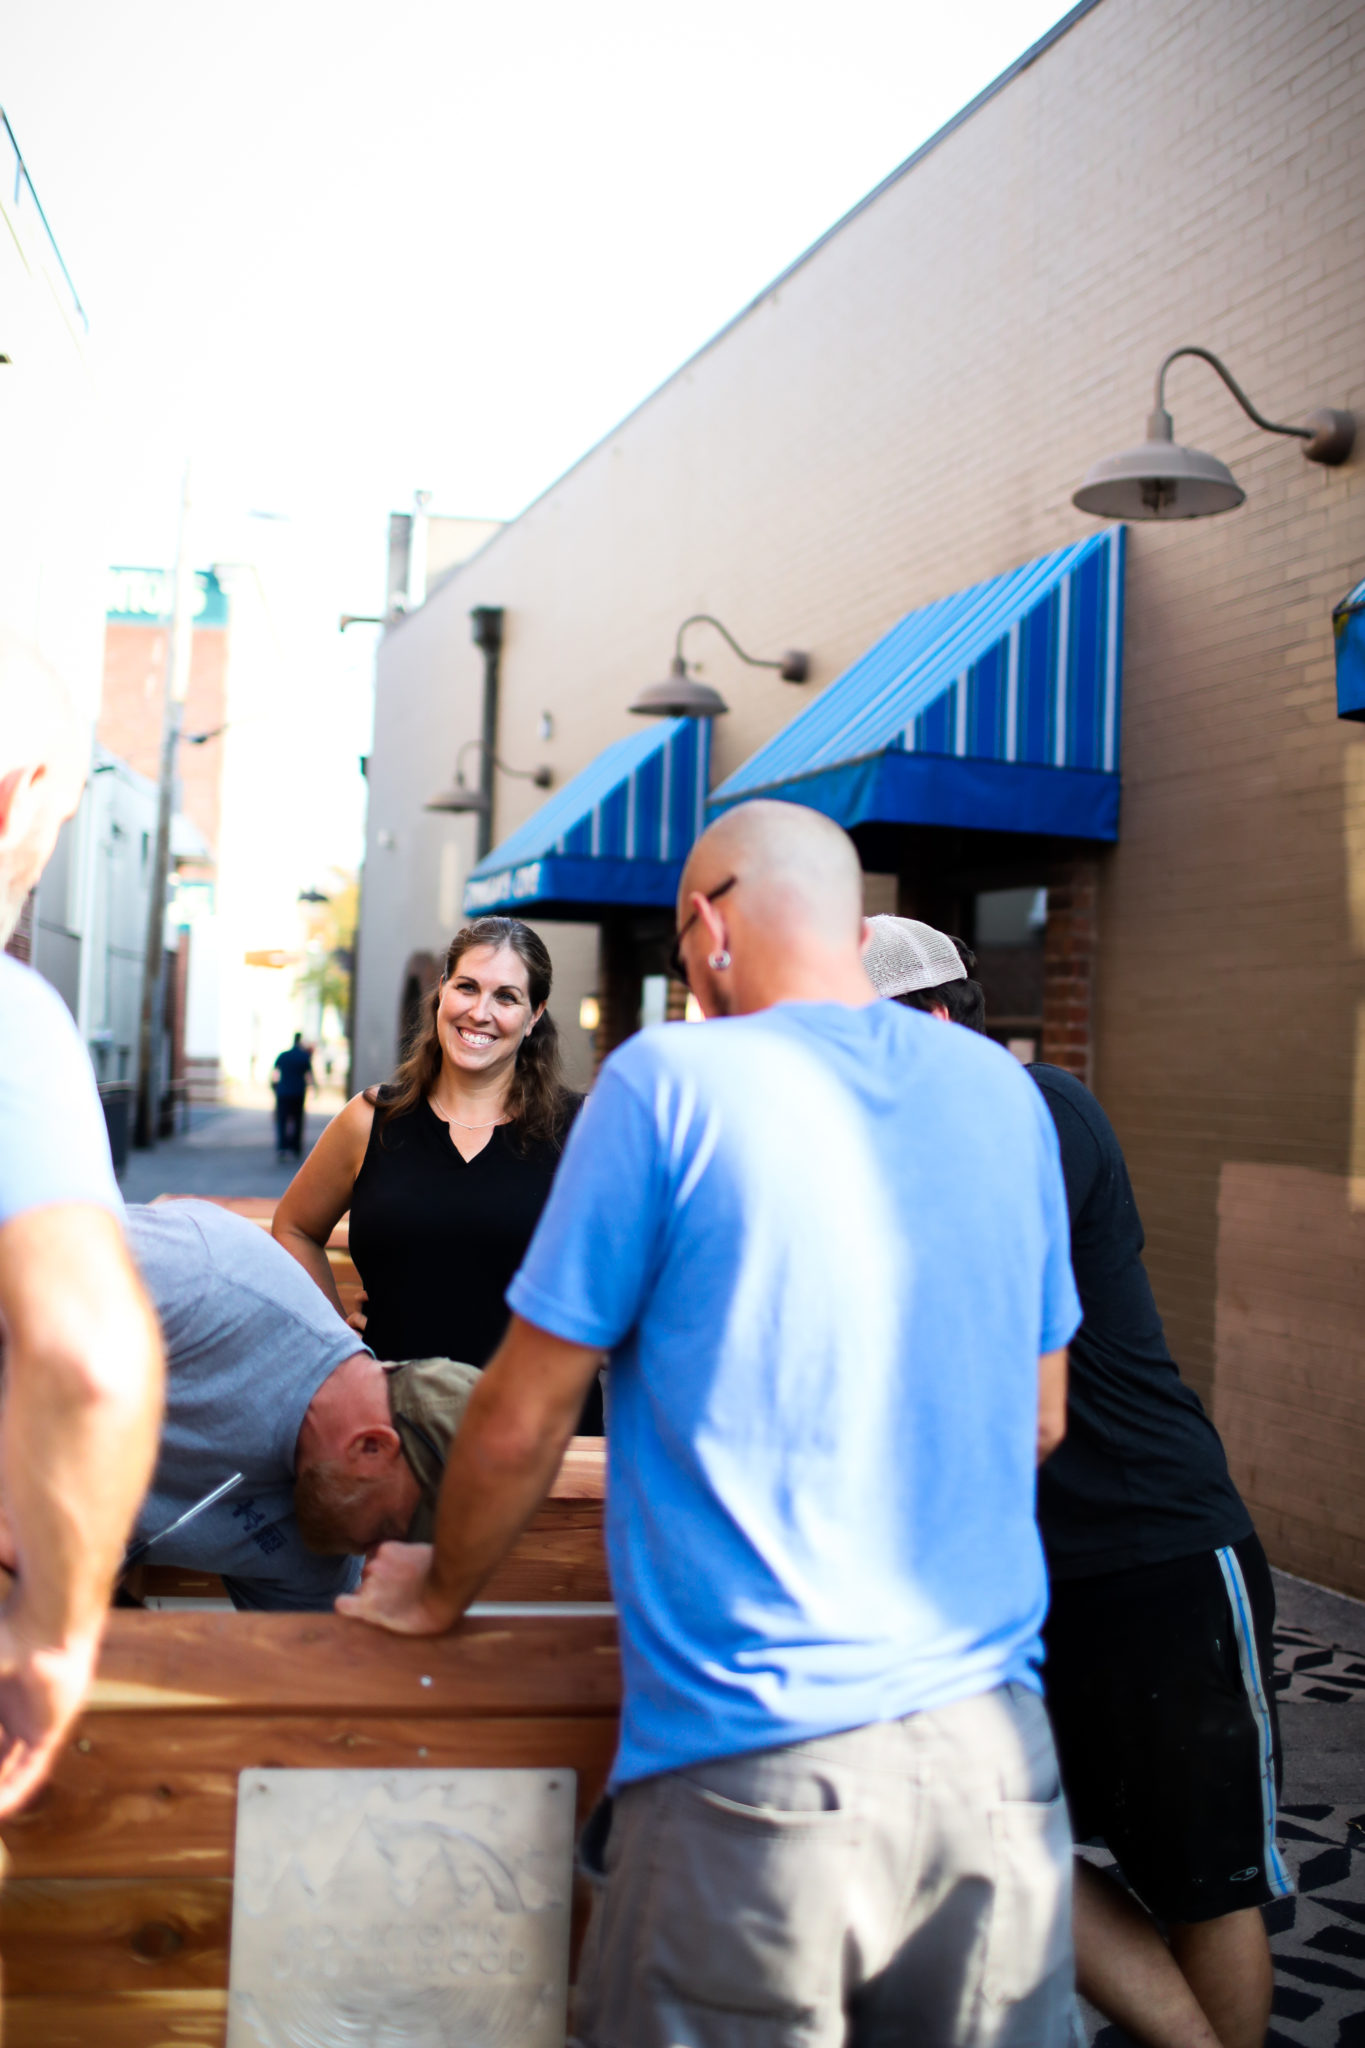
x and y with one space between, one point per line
1008 926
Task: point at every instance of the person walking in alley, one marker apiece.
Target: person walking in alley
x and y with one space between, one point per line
1160 1636
78 1342
290 1080
825 1244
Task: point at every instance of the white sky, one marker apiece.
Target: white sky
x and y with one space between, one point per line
342 251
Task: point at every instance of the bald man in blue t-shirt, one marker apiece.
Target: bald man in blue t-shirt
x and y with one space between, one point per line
825 1244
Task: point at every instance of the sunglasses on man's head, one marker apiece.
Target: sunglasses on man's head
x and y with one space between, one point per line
675 959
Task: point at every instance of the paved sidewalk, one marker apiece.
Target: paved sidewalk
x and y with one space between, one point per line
225 1152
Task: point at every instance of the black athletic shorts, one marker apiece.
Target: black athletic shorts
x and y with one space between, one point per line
1160 1688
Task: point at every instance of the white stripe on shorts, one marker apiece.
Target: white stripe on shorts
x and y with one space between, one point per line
1276 1871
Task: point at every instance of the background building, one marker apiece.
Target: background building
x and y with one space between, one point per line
51 557
51 546
137 632
904 414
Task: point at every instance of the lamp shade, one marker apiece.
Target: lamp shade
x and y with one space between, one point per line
459 798
679 696
1159 480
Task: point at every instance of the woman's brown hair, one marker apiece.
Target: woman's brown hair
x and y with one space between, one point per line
538 1103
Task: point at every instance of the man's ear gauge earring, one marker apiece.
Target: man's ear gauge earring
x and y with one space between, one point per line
718 962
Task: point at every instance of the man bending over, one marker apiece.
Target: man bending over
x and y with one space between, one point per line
336 1451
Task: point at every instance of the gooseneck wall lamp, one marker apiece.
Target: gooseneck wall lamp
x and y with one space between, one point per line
460 797
682 696
1162 480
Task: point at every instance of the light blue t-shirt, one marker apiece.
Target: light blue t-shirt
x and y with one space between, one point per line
825 1248
53 1142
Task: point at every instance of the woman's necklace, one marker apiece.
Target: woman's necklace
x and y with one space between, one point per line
459 1123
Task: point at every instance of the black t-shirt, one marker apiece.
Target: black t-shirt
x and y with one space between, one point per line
295 1069
436 1238
1140 1476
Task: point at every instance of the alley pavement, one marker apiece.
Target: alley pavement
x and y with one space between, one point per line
1318 1936
224 1152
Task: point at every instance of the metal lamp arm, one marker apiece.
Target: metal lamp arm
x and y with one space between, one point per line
794 667
705 619
1207 356
536 775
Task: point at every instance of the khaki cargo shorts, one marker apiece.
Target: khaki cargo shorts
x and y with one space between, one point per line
905 1882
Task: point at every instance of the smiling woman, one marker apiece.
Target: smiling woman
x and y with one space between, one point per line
446 1168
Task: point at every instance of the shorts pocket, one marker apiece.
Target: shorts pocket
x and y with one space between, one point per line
1030 1927
747 1907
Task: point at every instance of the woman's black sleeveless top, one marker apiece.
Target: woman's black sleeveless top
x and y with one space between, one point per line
436 1238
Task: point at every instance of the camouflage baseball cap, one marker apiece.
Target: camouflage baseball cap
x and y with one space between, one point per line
427 1397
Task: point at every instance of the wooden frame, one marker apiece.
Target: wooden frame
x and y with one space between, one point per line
116 1912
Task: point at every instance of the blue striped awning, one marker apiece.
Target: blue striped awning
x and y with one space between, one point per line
996 708
1348 632
618 833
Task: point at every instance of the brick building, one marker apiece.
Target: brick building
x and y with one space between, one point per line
903 415
137 630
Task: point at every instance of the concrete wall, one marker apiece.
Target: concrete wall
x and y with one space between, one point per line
908 411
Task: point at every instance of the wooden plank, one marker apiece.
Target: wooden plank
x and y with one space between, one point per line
545 1566
583 1474
84 1936
291 1663
549 1579
557 1559
560 1556
173 1582
155 1795
150 2019
106 1938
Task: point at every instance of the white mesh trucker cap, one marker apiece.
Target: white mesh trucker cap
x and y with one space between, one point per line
903 954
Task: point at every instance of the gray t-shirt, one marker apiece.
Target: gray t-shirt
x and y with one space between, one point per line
249 1340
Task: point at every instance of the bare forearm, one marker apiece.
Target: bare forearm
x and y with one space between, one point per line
312 1257
83 1371
72 1509
502 1466
510 1444
1052 1378
83 1376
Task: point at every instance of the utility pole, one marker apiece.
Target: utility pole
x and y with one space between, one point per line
486 620
178 648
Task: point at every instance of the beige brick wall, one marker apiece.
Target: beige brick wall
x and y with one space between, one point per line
910 410
1287 1397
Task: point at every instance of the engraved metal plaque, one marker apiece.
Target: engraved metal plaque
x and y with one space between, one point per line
401 1909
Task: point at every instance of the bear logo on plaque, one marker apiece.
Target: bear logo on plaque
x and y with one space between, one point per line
401 1909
